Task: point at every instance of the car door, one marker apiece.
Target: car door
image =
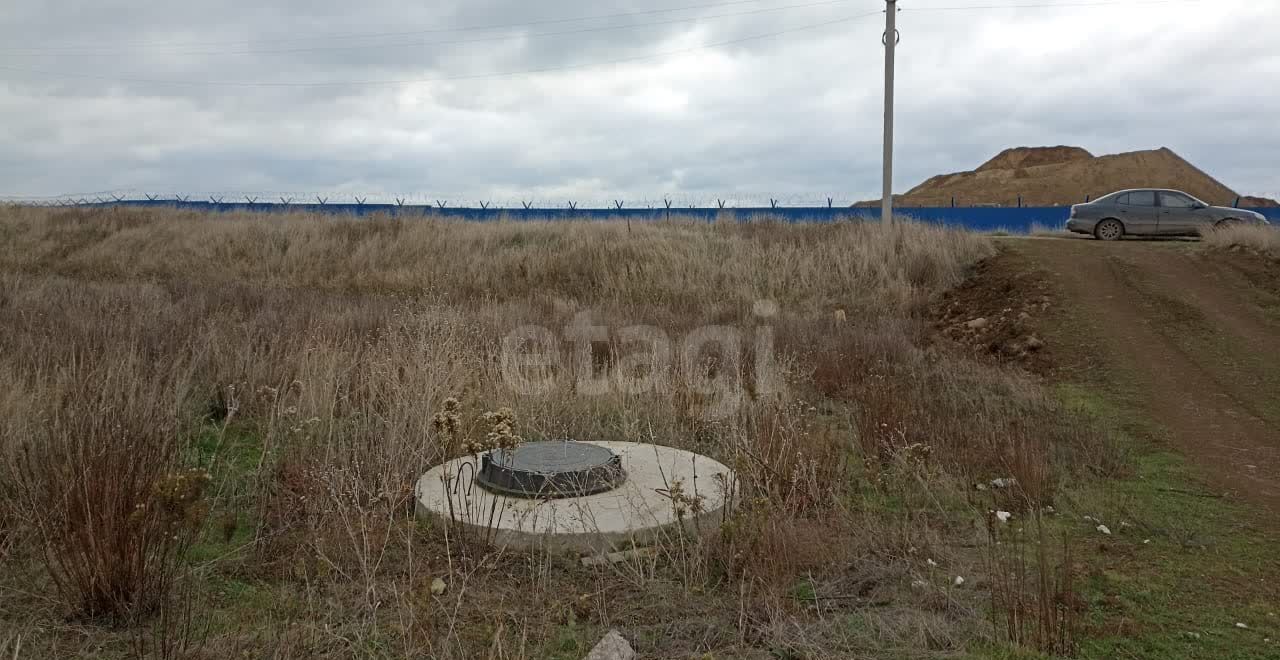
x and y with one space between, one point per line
1137 210
1178 214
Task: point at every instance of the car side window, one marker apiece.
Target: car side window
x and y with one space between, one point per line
1142 198
1123 199
1175 201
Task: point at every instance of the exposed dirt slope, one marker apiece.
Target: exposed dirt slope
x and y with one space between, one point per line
1012 159
1192 334
1249 201
1058 176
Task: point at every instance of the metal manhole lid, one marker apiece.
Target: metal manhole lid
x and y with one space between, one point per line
551 469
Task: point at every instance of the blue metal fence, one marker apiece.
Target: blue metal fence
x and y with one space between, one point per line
1008 219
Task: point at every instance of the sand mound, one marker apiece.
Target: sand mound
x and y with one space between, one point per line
1011 159
1060 176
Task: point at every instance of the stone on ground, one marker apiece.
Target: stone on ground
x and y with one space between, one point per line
612 647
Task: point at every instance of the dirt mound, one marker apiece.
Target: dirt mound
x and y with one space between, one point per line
996 312
1061 176
1010 159
1251 202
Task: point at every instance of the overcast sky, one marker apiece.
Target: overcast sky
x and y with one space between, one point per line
258 96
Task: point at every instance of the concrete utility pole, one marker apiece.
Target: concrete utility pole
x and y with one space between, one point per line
890 42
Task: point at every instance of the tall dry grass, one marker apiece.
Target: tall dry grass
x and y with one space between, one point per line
679 264
1264 239
300 360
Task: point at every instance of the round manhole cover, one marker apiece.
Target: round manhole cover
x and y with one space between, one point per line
551 469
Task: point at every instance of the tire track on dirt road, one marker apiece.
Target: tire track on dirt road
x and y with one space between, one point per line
1203 360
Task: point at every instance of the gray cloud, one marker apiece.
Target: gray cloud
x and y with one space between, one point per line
795 117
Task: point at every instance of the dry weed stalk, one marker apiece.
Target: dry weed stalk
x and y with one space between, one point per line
1034 602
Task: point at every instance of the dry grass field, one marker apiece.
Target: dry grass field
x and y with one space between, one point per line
210 427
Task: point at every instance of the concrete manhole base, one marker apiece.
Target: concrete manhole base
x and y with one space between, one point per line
638 511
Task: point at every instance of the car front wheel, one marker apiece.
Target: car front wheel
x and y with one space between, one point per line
1109 230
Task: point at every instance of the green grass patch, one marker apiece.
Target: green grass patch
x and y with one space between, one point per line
1181 566
230 451
232 455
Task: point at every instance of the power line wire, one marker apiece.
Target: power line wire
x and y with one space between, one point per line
1046 5
509 37
76 51
403 33
480 76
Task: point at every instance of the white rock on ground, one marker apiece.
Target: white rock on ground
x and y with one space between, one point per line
612 647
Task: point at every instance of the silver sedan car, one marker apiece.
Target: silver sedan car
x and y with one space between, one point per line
1152 212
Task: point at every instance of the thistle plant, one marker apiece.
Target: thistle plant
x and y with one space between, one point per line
502 434
448 423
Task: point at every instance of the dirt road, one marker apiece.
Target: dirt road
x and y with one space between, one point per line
1195 337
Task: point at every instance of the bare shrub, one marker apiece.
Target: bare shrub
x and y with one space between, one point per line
99 476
